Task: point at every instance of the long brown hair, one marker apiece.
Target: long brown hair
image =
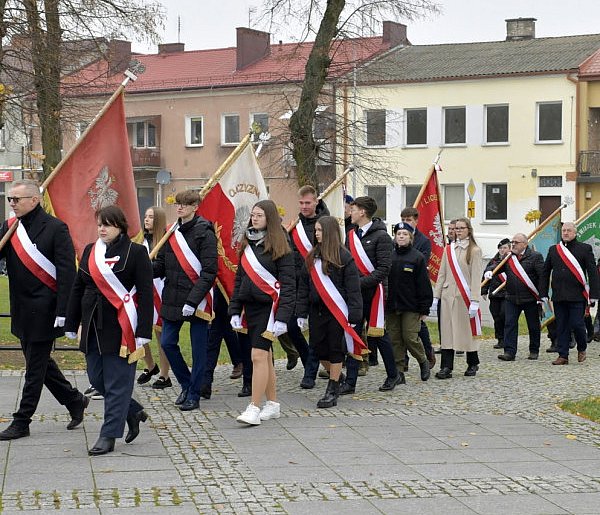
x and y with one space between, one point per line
329 248
276 240
472 242
159 225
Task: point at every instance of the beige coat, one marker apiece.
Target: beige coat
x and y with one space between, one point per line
455 326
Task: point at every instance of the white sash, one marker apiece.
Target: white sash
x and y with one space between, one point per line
158 285
573 265
522 275
465 290
301 239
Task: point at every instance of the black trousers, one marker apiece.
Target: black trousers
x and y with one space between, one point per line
497 311
40 370
448 358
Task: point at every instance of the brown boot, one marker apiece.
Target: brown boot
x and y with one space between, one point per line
561 361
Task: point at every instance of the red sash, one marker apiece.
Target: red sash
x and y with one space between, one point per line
38 264
520 272
336 304
365 267
464 288
157 288
301 239
573 265
118 296
265 282
192 267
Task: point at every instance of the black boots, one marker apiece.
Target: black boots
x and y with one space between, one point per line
103 445
133 423
14 431
77 413
331 395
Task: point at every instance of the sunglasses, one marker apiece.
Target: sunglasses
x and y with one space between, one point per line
15 199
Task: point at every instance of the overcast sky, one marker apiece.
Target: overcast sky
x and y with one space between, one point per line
212 23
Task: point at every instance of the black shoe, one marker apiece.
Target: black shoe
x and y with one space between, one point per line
572 344
471 371
329 400
307 383
246 391
499 345
77 415
146 375
533 356
14 431
460 352
133 423
506 357
444 373
103 445
161 383
437 350
425 371
181 398
552 348
291 363
390 383
346 389
373 362
205 392
189 405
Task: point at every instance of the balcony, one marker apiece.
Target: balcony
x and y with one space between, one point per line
588 166
145 157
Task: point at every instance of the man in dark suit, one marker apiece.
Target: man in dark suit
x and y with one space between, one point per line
41 267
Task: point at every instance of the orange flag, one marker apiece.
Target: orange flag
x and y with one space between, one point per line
98 173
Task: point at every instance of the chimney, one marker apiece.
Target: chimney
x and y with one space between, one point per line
520 28
394 33
171 48
252 45
119 55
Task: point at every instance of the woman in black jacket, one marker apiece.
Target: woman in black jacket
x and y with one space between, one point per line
264 294
409 299
112 300
327 337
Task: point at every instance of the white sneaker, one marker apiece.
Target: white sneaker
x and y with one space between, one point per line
270 410
250 416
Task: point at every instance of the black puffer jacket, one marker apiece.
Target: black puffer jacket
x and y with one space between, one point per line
347 281
245 291
90 308
409 285
378 246
516 291
179 289
565 286
309 227
495 281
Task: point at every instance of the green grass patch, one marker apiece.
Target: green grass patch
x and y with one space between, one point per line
587 408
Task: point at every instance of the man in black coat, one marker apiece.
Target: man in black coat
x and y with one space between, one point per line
378 246
41 269
182 296
521 298
569 295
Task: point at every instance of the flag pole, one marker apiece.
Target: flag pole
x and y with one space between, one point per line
128 76
587 213
326 192
531 235
426 180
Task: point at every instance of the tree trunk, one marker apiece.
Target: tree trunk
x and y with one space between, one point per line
301 122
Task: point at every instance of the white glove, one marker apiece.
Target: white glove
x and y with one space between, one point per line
279 328
59 322
187 310
473 308
545 300
593 302
139 342
236 322
488 275
302 323
71 336
433 310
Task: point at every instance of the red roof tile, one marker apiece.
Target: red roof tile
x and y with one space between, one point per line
590 67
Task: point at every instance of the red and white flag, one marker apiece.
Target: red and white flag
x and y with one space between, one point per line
98 173
228 206
428 202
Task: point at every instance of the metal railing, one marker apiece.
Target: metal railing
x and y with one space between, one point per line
588 163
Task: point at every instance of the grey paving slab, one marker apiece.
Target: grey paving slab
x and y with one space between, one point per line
588 467
581 452
79 479
351 457
141 479
478 441
428 506
523 504
455 470
531 468
412 456
186 508
422 442
502 455
296 473
330 507
580 503
368 472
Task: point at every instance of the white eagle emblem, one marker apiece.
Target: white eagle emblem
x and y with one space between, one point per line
436 232
240 224
102 195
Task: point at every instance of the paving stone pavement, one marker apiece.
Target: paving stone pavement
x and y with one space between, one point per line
492 444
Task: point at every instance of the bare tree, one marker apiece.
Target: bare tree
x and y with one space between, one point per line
327 20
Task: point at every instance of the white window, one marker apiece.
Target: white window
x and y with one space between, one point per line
375 125
496 202
549 122
416 127
454 201
496 124
80 128
2 136
411 192
145 134
194 131
379 194
230 129
259 123
455 125
324 124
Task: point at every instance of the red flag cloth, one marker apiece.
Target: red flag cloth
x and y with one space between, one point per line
430 221
97 174
228 205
